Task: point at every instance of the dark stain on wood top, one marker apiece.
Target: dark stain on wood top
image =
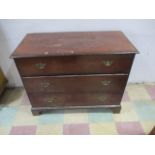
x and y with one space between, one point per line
73 43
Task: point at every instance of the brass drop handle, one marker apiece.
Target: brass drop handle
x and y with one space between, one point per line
40 65
49 99
107 62
102 98
106 82
45 84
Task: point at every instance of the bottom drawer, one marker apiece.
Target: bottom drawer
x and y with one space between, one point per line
80 99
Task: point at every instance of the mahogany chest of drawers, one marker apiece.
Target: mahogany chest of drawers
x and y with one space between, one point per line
74 69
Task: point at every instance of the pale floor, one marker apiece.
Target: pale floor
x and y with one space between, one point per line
136 117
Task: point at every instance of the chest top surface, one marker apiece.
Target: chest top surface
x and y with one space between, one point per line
73 43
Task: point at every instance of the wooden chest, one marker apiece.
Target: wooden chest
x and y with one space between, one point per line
74 69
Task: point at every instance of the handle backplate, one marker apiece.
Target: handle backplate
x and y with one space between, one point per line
106 82
40 65
107 63
45 84
49 99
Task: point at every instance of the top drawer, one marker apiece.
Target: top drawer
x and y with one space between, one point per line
63 65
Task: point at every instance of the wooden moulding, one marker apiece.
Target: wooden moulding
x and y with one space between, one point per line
38 110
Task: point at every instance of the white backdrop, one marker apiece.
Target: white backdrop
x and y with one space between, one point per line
140 32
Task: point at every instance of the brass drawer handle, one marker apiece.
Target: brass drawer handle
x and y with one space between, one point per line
40 65
45 84
106 82
49 99
102 98
107 63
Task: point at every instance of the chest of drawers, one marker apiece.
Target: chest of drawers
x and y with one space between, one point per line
74 69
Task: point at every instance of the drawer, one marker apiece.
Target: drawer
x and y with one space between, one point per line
78 99
76 83
64 65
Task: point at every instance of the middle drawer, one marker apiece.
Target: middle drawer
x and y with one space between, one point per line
76 83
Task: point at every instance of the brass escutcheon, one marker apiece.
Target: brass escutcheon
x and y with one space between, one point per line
102 98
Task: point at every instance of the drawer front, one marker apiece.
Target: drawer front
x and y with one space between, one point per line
78 99
64 65
77 83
